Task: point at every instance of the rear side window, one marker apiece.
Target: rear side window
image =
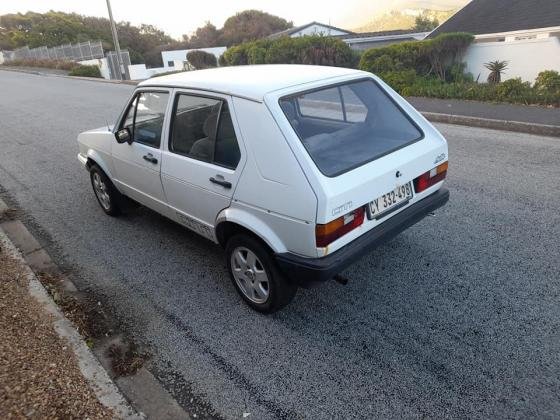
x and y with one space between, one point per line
345 126
202 129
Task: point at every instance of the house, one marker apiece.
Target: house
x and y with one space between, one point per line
169 58
312 28
367 40
356 41
525 33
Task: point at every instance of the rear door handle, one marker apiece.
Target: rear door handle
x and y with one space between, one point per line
221 182
150 158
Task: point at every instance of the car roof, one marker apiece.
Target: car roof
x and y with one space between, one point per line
250 81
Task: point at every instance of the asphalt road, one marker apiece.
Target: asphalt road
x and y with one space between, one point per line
457 317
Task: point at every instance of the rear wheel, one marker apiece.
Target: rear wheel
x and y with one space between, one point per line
105 192
255 275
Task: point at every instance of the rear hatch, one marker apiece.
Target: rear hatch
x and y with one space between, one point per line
370 152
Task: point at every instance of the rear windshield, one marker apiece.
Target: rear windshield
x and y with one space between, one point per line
347 125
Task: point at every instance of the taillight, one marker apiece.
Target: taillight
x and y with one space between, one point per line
330 232
431 177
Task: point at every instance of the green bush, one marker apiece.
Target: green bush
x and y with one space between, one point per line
513 88
201 59
85 71
318 50
436 56
548 82
47 64
399 80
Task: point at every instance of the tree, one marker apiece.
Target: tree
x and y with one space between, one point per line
423 23
496 69
205 36
250 25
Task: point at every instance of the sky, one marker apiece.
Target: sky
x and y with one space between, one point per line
180 17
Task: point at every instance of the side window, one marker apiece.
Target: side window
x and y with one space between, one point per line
145 117
325 103
354 108
227 149
202 129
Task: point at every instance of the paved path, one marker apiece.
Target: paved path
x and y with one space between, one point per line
457 317
508 112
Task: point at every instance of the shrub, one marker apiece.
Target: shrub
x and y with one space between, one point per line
201 59
548 82
85 71
399 80
434 56
318 50
47 64
513 88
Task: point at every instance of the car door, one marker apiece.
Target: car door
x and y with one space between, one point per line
138 163
202 160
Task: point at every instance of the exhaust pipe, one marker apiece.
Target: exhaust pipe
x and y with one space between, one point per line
341 279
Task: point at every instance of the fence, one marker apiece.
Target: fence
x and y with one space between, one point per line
114 65
74 52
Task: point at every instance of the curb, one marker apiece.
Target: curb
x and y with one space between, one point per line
145 395
515 126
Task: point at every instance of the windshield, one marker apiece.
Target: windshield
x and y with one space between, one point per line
347 125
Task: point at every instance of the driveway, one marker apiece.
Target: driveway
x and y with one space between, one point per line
458 316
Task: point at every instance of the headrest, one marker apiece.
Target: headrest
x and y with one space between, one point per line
209 126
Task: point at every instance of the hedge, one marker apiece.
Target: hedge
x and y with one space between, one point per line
318 50
85 71
435 56
511 90
201 59
47 64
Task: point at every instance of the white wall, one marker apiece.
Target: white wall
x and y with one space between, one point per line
317 29
101 63
1 57
181 55
526 58
140 72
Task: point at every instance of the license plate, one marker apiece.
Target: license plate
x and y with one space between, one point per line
390 201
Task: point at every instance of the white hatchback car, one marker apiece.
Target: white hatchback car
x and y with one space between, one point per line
296 171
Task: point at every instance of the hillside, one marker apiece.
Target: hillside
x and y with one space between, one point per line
402 19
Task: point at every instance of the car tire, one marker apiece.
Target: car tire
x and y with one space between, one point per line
108 197
255 275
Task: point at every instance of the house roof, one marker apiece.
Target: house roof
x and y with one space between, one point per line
377 34
295 29
252 82
496 16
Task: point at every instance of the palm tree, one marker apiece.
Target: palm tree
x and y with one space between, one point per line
496 69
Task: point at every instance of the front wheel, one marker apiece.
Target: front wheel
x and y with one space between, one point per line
105 192
255 275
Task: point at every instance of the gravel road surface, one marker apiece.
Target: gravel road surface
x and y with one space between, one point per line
458 316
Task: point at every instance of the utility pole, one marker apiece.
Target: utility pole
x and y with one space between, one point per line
122 69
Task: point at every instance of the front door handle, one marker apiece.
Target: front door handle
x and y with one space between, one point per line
221 182
150 158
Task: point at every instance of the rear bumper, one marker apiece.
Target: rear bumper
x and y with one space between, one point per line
307 271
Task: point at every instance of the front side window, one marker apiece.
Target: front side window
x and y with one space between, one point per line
345 126
202 129
144 117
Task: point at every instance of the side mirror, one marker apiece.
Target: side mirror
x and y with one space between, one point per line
123 136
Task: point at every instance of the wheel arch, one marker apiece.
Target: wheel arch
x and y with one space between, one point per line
231 221
94 158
